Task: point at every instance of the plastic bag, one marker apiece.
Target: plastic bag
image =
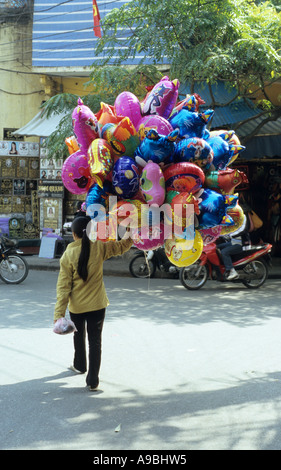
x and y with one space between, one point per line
64 326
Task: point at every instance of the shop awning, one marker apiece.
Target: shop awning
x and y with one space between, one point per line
40 125
267 142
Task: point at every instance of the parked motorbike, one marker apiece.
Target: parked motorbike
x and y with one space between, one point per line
251 265
13 268
144 264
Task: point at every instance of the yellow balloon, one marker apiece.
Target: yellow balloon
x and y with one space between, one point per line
184 252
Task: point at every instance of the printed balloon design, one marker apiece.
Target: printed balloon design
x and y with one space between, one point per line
156 148
184 177
100 160
191 124
162 98
194 150
153 122
153 184
75 174
125 177
122 137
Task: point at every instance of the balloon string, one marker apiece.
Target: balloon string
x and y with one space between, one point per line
149 271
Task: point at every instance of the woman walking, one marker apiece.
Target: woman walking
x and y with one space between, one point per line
80 286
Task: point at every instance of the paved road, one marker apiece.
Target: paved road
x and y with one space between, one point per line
180 370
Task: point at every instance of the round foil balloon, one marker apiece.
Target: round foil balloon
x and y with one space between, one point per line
127 104
184 252
152 184
162 98
184 177
125 177
153 122
100 160
75 173
85 126
194 150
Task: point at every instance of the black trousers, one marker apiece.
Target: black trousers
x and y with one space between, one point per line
94 323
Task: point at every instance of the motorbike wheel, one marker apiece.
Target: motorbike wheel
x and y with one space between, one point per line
194 277
13 270
257 272
141 267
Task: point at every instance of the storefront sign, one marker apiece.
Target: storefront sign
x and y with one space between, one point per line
50 189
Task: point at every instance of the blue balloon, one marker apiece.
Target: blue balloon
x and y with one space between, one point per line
125 177
191 124
213 209
156 148
194 150
96 198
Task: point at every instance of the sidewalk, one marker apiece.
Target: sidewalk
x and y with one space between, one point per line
119 265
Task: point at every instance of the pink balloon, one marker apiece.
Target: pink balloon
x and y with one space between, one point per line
75 173
85 126
148 238
158 123
128 105
162 98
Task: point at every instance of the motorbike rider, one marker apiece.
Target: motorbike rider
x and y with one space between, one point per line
232 245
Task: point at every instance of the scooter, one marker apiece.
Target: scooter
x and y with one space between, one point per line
13 268
251 265
144 264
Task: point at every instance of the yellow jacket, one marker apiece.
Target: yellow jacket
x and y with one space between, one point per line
72 291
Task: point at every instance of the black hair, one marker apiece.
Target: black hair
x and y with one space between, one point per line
78 227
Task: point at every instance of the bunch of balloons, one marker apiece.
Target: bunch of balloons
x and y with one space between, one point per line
155 153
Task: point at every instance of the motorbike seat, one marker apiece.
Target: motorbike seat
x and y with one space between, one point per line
8 242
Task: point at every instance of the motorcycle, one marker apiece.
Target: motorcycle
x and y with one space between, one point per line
13 268
144 264
251 265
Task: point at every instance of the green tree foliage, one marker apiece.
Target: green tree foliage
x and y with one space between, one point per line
233 40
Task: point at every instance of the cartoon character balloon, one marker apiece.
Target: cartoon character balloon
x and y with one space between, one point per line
213 209
191 124
162 98
152 184
194 150
156 148
100 160
85 126
75 174
223 152
125 177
